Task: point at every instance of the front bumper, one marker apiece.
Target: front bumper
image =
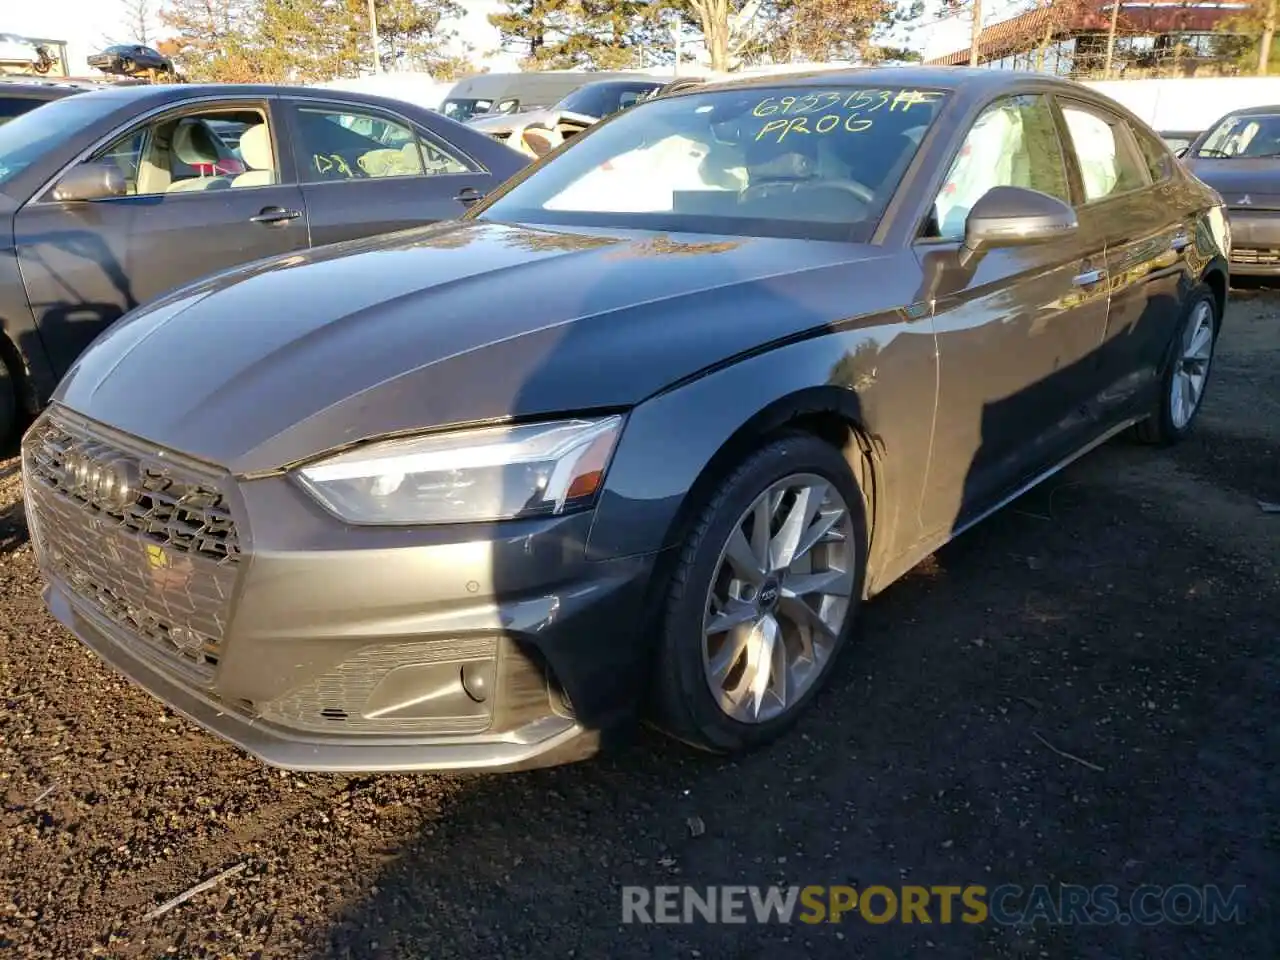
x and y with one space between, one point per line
348 649
1255 242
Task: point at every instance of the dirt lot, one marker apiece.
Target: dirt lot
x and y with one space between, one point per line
1126 614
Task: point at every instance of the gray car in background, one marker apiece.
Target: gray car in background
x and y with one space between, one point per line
588 104
638 435
113 197
1239 156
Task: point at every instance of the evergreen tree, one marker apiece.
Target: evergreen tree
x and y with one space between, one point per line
593 34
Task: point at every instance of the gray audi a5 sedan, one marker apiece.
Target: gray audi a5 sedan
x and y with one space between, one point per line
636 436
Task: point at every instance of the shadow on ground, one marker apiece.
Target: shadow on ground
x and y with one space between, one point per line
1079 622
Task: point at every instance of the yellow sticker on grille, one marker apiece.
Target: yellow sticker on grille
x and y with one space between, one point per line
156 556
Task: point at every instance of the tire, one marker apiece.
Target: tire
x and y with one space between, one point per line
8 405
1171 420
128 67
683 702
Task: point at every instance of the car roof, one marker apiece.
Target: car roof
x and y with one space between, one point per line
615 81
1260 111
38 88
158 94
977 79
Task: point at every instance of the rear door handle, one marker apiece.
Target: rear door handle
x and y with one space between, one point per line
469 195
1088 278
275 216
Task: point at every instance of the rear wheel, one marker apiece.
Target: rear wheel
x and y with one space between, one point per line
1187 372
763 598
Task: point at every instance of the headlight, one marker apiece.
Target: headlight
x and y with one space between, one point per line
490 473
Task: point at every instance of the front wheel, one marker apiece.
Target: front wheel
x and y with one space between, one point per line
763 597
1186 373
8 404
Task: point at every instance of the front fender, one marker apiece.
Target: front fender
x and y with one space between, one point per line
17 324
879 373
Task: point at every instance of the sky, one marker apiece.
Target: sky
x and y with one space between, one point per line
88 25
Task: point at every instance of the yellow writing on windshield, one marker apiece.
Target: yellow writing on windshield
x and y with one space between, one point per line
831 111
827 123
857 102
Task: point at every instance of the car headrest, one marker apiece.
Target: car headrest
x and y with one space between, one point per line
255 148
193 143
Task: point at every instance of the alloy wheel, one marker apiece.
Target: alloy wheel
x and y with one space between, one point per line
1192 366
779 598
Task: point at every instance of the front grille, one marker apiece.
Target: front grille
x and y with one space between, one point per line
1256 257
160 562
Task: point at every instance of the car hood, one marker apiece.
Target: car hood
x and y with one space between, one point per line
1235 179
269 364
506 122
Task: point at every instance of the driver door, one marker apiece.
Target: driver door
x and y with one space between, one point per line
187 212
1017 334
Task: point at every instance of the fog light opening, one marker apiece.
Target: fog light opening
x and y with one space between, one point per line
477 680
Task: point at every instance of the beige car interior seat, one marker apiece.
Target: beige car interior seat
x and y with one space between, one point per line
255 151
193 144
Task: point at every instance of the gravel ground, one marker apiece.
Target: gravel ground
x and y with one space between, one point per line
1125 613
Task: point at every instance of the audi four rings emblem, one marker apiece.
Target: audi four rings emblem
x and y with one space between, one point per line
112 484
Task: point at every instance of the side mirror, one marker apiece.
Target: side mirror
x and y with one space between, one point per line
1014 216
91 181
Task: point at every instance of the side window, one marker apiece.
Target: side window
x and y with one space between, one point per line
214 149
1107 164
1159 160
1013 143
340 145
126 153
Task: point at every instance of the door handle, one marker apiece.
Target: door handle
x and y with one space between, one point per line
1088 278
469 195
275 216
1180 242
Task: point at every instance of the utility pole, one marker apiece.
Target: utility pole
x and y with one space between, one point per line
977 29
373 37
1111 39
1268 36
675 40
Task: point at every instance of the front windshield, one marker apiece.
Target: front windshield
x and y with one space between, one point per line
26 138
465 109
818 162
604 99
1251 135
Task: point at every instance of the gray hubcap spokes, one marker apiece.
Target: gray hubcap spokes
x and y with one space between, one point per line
1192 366
779 598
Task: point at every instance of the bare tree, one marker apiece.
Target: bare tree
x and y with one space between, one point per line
138 16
